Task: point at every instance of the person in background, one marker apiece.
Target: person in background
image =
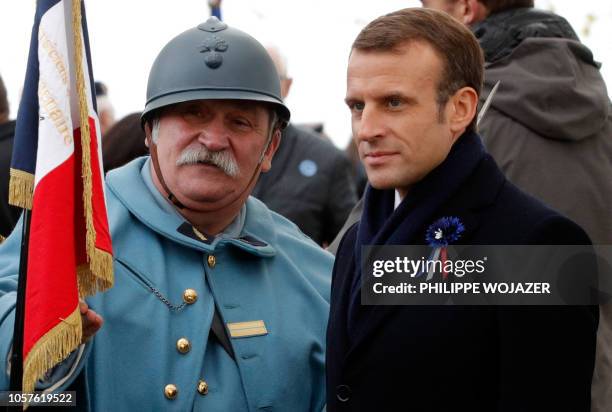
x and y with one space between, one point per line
124 142
359 174
106 112
311 182
8 214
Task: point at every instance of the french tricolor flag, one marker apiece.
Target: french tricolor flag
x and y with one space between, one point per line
56 172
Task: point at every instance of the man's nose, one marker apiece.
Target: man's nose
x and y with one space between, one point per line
369 126
214 135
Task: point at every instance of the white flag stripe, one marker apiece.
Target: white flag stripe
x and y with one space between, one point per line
58 98
55 143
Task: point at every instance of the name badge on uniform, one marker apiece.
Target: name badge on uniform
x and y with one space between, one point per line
247 329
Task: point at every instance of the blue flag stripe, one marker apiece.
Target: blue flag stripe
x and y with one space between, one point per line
25 143
216 11
88 54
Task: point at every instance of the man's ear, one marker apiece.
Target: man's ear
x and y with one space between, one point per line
461 110
147 129
474 12
266 163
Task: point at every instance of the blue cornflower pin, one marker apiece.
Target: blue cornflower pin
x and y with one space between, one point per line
444 231
439 235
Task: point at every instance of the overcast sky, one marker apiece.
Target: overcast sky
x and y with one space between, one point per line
315 35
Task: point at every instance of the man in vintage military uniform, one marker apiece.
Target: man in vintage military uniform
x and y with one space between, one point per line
219 304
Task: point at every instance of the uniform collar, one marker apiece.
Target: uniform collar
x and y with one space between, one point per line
252 230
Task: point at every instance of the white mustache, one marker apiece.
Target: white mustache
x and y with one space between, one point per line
221 159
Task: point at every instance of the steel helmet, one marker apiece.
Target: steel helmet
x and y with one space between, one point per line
214 61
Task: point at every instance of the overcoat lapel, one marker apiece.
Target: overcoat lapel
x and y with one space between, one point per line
468 204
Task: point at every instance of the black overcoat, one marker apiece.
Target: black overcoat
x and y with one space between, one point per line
459 358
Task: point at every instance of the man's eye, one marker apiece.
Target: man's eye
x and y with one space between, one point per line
394 102
357 107
242 122
194 112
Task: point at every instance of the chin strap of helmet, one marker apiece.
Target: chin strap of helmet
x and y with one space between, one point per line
160 177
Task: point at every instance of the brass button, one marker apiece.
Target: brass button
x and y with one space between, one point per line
212 261
202 387
170 391
190 296
183 345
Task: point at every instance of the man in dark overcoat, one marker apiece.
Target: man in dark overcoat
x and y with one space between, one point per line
413 84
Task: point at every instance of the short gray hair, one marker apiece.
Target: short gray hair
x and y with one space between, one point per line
155 129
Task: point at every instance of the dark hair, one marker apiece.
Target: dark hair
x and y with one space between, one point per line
101 89
123 142
495 6
462 58
4 106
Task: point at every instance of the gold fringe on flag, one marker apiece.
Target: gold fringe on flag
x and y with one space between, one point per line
21 188
89 284
2 238
100 274
52 348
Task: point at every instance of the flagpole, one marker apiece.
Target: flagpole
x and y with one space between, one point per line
215 8
16 382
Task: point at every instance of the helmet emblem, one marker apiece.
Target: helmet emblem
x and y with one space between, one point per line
212 48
